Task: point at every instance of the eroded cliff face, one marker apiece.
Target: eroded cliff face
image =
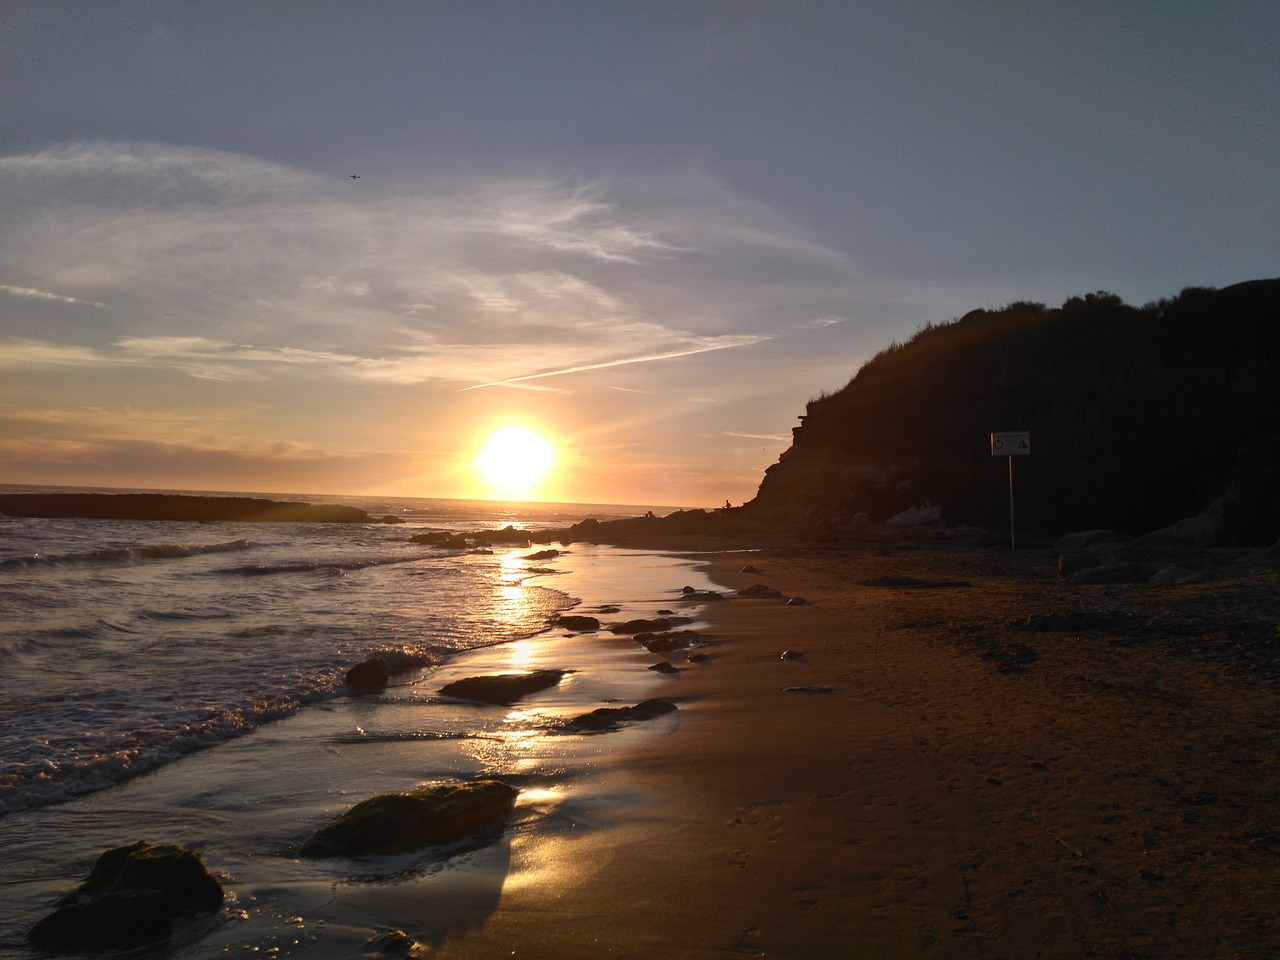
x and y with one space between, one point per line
1139 417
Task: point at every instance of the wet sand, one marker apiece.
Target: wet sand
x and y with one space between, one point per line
1017 768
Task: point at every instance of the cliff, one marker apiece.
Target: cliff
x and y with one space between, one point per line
1139 417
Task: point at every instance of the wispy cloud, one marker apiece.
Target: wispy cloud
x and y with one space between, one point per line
182 240
34 294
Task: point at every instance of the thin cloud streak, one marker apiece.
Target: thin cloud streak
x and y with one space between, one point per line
724 343
34 294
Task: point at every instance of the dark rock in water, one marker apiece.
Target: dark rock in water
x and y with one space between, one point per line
760 590
702 595
166 506
669 640
797 602
128 900
389 518
666 613
403 822
397 943
664 666
748 569
609 608
435 537
507 534
371 674
578 623
543 555
699 658
502 689
611 718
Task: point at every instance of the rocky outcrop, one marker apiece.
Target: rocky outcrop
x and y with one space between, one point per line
502 689
164 506
130 899
403 822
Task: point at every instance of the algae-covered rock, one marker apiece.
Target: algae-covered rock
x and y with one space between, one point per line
502 689
403 822
611 718
129 899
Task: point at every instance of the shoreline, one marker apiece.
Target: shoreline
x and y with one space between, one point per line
1013 768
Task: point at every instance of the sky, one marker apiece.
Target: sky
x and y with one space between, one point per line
649 231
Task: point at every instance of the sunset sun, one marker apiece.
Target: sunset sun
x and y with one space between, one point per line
514 459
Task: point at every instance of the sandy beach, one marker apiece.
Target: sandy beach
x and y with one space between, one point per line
1013 768
996 764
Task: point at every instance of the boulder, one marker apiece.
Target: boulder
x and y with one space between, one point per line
371 674
502 689
129 899
611 718
1206 530
664 666
578 623
403 822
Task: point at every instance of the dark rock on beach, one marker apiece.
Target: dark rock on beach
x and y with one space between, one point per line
578 623
403 822
371 674
611 718
129 899
502 689
164 506
760 590
668 640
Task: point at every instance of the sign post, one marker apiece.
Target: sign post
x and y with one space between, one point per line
1011 443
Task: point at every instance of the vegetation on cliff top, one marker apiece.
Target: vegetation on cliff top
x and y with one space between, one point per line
1139 416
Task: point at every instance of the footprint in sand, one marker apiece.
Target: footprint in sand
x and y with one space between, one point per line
739 859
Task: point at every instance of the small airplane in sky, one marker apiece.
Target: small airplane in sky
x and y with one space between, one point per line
355 176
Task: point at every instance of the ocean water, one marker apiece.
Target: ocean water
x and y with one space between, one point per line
182 683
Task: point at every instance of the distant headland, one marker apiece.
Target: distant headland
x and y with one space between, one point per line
166 506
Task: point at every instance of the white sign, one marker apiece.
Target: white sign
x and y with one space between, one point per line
1011 443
